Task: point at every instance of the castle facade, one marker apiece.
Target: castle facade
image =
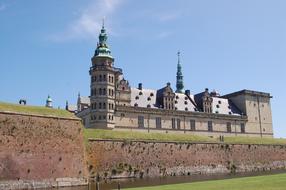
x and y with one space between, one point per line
113 104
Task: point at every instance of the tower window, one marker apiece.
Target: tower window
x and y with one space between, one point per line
173 123
158 123
193 125
178 124
104 106
109 78
242 127
100 105
104 77
228 127
210 126
141 121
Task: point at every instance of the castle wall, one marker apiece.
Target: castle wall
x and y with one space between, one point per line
127 118
47 151
121 158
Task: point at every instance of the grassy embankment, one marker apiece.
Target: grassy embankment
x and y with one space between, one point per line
40 110
131 135
269 182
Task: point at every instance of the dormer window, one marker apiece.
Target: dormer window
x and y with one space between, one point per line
137 97
148 98
151 94
230 113
217 106
148 106
177 97
135 105
186 102
186 97
140 93
216 112
176 101
186 109
219 102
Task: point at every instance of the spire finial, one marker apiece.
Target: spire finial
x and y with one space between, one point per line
179 57
103 19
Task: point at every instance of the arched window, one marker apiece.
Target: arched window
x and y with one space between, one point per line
100 91
100 78
104 106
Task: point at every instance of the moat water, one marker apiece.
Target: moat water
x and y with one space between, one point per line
135 182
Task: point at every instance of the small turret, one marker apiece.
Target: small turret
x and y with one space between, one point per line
49 102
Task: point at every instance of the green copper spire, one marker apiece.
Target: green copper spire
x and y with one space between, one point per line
180 82
102 49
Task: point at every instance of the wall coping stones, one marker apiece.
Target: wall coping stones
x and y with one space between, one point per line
177 142
39 115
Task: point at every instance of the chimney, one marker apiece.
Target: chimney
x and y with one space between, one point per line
187 92
140 86
168 84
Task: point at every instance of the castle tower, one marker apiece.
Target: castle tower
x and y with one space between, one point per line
102 88
49 102
180 82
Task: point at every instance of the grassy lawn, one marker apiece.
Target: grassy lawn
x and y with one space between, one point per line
254 140
35 110
269 182
131 135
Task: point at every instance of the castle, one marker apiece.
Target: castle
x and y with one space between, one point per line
113 104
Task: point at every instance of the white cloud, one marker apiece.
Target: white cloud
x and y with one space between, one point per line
89 22
164 34
164 17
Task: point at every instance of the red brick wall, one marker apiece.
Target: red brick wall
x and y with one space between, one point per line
122 158
36 148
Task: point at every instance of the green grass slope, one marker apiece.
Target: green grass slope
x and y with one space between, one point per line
269 182
132 135
39 110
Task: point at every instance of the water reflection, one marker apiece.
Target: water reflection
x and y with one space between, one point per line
134 182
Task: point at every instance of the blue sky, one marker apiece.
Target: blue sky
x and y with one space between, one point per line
227 45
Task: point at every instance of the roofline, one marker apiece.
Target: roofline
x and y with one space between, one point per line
247 92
